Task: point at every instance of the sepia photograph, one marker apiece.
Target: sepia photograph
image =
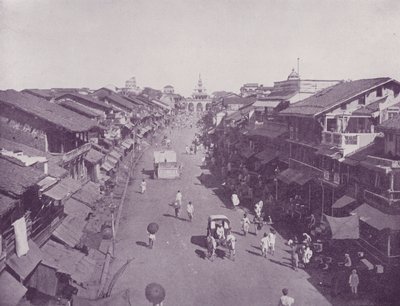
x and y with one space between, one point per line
199 153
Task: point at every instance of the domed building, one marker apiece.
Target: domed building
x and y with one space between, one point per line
168 89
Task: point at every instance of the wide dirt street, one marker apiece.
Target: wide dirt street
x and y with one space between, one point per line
177 260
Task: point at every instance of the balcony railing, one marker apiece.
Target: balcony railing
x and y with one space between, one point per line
348 141
386 199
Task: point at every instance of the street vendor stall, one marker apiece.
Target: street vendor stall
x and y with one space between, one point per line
165 165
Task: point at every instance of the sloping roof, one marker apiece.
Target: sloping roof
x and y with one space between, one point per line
360 155
238 100
289 176
88 98
330 97
281 95
70 230
47 94
124 298
24 265
75 208
63 189
11 290
268 129
392 124
6 203
376 218
94 156
266 156
47 111
89 194
343 202
15 180
79 108
113 97
266 103
70 261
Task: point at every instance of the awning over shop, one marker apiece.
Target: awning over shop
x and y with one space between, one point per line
89 194
103 179
211 131
24 265
70 230
73 262
329 151
94 156
107 166
343 201
115 154
376 218
289 176
11 290
63 189
246 152
127 144
73 207
344 228
46 183
266 156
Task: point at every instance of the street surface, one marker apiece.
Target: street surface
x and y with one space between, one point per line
177 260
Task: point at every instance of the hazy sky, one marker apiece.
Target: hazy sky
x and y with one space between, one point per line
87 43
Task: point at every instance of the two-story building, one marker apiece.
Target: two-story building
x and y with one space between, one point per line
48 127
329 126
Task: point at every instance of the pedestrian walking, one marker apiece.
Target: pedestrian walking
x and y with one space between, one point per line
211 247
177 208
245 224
190 211
285 300
187 149
143 186
235 200
295 258
258 223
272 239
178 197
354 281
307 254
264 245
152 238
231 243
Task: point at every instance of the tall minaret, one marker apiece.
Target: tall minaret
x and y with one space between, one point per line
200 83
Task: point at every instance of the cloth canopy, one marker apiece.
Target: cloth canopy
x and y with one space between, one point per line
344 228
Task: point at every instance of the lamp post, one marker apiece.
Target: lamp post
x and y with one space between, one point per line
276 183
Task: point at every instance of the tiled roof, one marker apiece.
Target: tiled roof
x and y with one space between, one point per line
6 203
41 93
329 97
361 154
115 98
45 110
281 95
15 180
391 124
88 98
79 108
238 100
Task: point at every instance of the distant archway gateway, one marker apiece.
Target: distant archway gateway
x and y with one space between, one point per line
190 107
199 107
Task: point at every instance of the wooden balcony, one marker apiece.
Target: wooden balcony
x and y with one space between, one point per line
348 142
